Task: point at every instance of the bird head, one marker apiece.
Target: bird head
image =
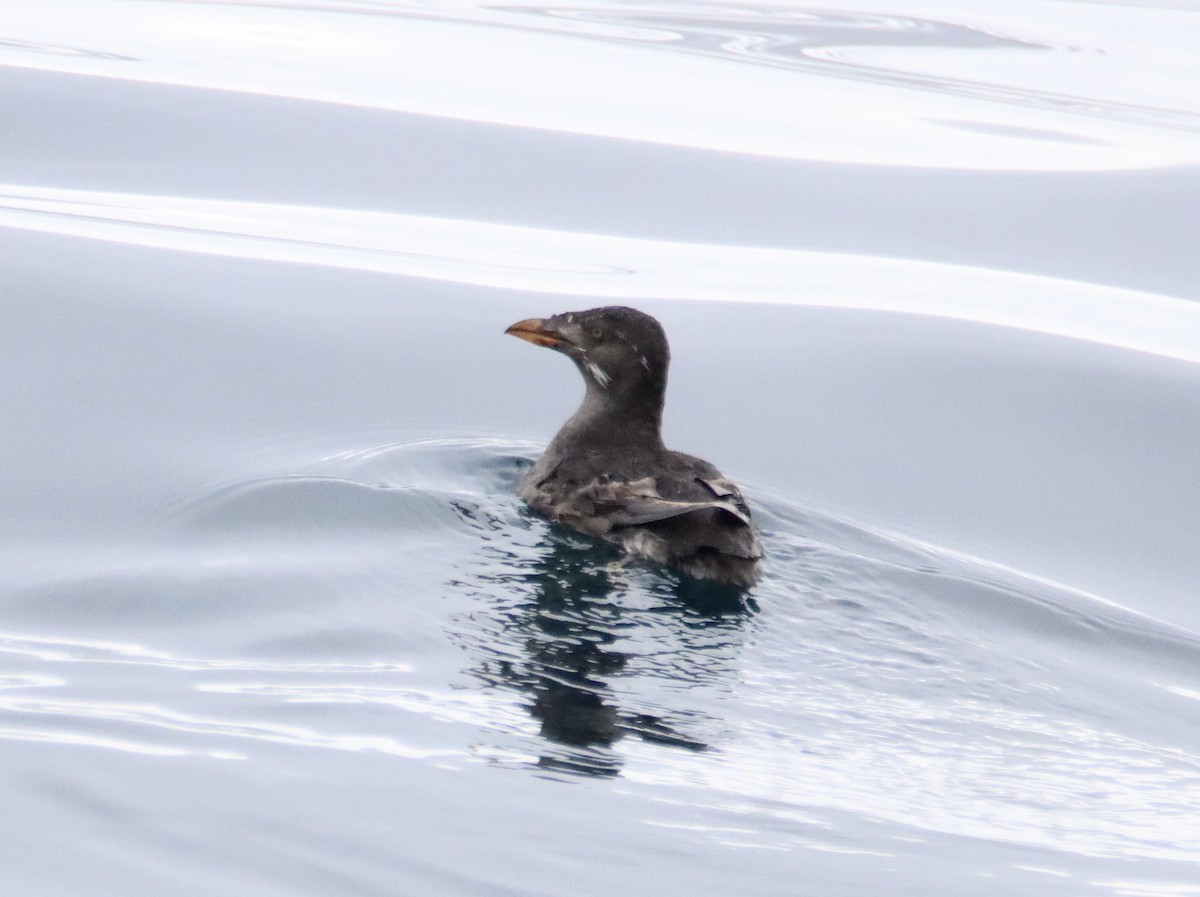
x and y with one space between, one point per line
618 350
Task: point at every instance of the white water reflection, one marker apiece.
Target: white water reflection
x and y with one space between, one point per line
611 267
938 88
161 722
62 650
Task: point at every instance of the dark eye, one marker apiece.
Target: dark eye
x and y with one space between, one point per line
597 333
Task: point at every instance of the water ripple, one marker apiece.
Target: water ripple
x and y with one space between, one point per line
868 674
837 44
61 650
870 86
171 723
611 267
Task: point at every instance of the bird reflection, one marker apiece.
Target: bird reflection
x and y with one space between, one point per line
554 628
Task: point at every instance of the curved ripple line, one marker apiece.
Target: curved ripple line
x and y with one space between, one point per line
611 267
85 740
28 680
462 706
878 48
158 718
63 650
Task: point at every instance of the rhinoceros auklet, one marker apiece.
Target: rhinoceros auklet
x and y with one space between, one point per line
607 472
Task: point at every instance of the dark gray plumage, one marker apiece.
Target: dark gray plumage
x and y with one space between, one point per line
607 472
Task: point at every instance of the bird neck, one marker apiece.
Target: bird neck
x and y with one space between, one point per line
618 419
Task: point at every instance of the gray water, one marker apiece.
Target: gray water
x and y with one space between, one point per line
272 621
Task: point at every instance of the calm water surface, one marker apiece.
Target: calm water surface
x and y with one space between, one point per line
272 621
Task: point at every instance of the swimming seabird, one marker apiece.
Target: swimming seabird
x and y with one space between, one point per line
607 472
